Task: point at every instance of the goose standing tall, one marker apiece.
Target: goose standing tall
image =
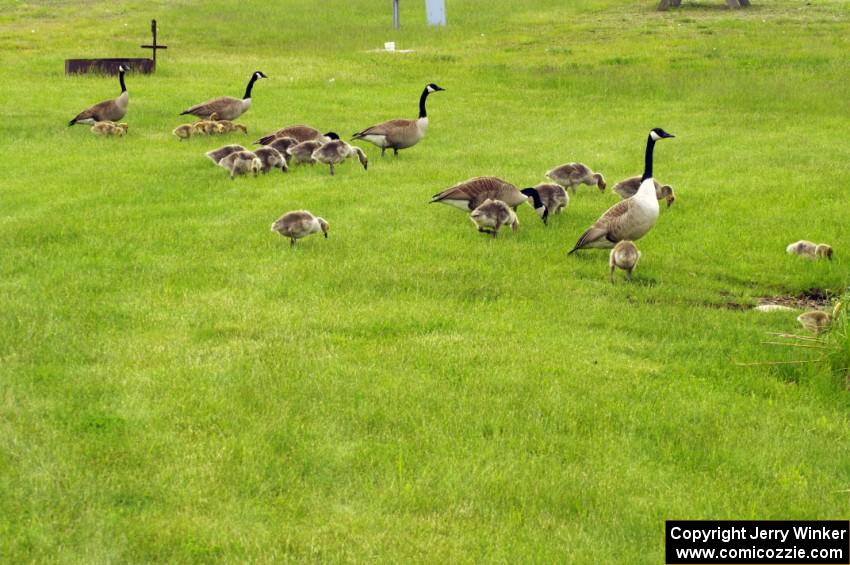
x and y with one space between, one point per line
400 134
631 218
227 107
108 110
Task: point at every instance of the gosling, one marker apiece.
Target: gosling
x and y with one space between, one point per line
303 152
553 196
271 158
624 256
240 163
810 250
815 321
298 224
109 129
184 131
491 215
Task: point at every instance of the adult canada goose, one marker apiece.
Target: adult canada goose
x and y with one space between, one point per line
298 224
629 187
471 193
624 256
336 151
554 197
300 133
815 320
400 134
491 215
303 152
271 158
108 110
282 144
227 107
241 162
184 131
573 174
631 218
810 250
217 155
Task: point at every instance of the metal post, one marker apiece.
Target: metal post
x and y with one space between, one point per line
396 22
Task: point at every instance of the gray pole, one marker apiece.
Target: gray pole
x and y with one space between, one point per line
396 22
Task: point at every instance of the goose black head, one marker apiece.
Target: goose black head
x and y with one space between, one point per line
434 88
537 203
332 135
658 133
123 68
259 75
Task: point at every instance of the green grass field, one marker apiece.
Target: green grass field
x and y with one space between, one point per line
178 385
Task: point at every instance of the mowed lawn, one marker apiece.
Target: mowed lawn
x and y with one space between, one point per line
178 385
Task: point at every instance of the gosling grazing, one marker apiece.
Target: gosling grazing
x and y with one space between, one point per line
228 126
217 155
624 256
108 110
298 132
554 197
491 215
471 193
303 152
631 218
226 107
400 134
336 151
573 174
184 131
240 163
629 187
298 224
815 321
810 250
109 129
282 144
271 158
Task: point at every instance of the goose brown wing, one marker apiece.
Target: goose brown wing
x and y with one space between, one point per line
386 128
475 190
224 106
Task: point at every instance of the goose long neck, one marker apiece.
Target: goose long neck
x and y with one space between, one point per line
647 166
121 80
422 112
250 87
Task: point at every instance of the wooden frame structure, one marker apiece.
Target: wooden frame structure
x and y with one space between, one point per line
734 4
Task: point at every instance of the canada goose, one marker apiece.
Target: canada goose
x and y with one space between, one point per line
217 155
241 162
629 187
554 197
815 321
631 218
228 126
227 107
471 193
298 224
271 158
400 134
810 250
282 144
624 256
184 131
108 110
491 215
298 132
336 151
303 152
573 174
108 129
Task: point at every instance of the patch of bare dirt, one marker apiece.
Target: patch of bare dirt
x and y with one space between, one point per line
812 298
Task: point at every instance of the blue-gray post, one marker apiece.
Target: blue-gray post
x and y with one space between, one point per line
435 10
396 22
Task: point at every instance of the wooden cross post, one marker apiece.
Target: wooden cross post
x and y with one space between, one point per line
154 47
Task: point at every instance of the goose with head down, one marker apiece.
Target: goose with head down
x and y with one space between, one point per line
631 218
471 193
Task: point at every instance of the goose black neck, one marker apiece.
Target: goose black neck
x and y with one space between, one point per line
250 87
422 113
647 166
121 80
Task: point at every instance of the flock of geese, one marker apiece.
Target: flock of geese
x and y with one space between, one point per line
490 201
